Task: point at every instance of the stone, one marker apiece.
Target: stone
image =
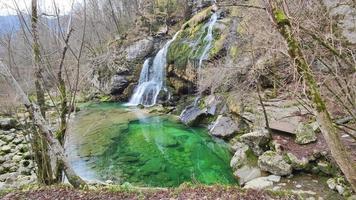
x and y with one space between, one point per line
139 49
297 164
247 173
6 149
256 140
274 163
224 127
326 168
274 178
305 134
215 105
17 141
240 156
258 184
331 183
283 127
7 138
244 166
3 170
7 123
17 158
340 189
192 115
118 84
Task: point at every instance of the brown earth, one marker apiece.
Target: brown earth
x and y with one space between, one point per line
199 192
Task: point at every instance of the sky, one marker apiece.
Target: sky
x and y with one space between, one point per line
7 7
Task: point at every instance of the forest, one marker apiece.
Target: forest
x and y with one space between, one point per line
178 99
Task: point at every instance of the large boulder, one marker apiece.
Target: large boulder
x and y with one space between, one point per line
139 49
274 163
7 123
257 140
224 127
192 115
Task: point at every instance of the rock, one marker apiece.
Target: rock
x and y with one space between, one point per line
326 168
245 168
256 140
6 149
305 134
192 115
340 189
215 105
298 186
247 173
274 178
17 158
118 84
283 127
297 164
224 127
25 171
7 123
2 159
258 184
7 138
240 156
331 183
274 163
139 49
17 141
3 170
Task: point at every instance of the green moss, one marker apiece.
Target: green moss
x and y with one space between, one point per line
281 17
198 18
252 159
178 54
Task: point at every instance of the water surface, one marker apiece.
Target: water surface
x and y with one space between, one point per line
111 142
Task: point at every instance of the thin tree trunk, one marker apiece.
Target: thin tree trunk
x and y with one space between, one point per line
42 157
328 130
43 126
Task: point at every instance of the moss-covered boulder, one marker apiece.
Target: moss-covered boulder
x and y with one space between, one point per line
274 163
305 134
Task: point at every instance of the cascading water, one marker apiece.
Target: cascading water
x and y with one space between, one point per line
208 38
152 78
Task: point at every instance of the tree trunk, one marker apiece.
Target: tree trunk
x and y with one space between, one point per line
40 146
329 132
43 126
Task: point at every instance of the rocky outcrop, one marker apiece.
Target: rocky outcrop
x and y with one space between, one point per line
274 163
139 49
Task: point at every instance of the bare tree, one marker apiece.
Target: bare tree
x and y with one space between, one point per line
338 151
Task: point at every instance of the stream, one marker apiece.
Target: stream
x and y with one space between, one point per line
108 141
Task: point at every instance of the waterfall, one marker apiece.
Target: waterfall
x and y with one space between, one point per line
208 38
152 78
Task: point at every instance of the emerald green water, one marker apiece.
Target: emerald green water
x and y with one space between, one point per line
147 150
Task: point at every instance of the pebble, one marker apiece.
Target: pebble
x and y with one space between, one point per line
340 189
298 186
